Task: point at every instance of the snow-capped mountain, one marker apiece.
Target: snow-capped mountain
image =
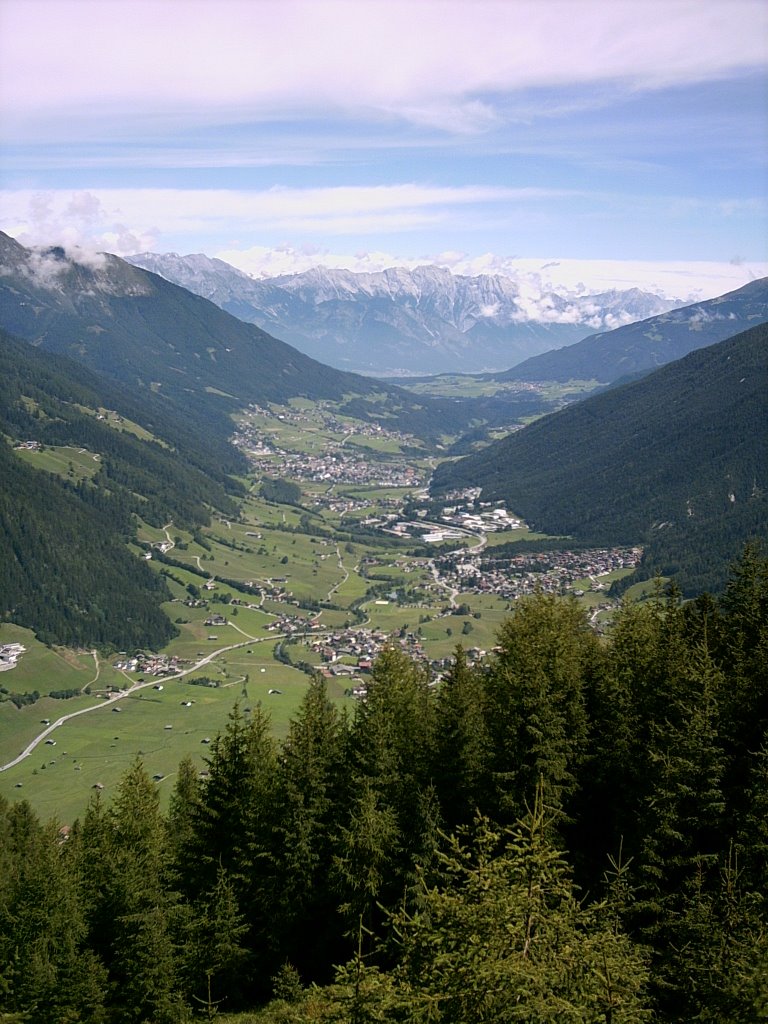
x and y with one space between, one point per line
400 321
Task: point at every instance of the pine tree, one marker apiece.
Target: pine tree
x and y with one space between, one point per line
683 818
234 807
744 657
47 968
391 742
182 807
216 960
461 768
313 798
131 906
234 830
144 965
368 850
502 937
536 712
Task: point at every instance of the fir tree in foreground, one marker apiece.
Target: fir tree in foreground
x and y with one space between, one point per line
571 831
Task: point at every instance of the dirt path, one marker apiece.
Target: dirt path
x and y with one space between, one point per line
97 664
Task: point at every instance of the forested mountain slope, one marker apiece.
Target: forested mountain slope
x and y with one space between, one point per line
641 347
677 461
151 335
66 571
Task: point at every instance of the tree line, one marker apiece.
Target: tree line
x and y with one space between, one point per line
574 830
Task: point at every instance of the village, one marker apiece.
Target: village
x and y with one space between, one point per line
9 655
458 525
552 572
336 462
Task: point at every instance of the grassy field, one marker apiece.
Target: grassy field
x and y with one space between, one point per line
466 386
71 463
45 668
96 748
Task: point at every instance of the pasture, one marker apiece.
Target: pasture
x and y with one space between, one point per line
158 726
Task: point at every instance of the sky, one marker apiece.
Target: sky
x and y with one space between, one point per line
594 143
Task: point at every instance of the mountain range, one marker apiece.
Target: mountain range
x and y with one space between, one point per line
641 347
156 337
405 322
677 461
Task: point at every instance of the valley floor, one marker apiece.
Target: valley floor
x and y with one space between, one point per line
361 561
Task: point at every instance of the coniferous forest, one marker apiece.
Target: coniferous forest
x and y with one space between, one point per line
577 830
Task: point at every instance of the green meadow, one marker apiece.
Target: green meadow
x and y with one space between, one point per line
160 727
72 463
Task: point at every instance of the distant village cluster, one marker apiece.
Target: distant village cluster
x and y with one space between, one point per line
338 466
550 571
151 664
350 654
9 655
470 517
337 463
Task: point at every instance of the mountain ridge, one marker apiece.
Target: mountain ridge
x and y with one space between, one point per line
654 461
643 346
136 327
400 321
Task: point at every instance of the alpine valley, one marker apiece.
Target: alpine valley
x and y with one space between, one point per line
348 701
606 470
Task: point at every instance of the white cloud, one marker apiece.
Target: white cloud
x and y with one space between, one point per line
434 62
78 221
103 216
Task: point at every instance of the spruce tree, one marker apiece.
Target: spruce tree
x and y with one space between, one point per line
143 954
216 960
536 710
391 742
684 822
462 757
48 971
234 830
312 790
365 868
503 937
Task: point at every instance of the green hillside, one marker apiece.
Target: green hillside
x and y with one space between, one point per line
677 461
66 571
63 526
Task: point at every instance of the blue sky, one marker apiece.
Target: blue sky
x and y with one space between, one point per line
623 134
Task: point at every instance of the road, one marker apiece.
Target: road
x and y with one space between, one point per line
134 687
482 540
41 737
142 686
